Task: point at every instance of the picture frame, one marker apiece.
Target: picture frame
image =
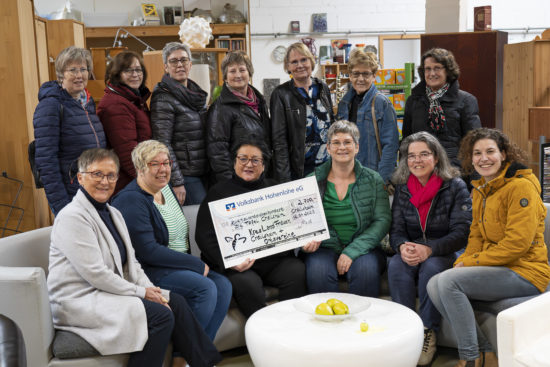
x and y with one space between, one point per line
295 26
319 22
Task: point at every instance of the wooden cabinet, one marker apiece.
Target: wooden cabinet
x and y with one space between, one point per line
526 87
336 77
40 28
62 34
480 57
18 99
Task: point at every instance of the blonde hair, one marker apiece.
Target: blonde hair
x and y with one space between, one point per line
144 153
302 49
359 57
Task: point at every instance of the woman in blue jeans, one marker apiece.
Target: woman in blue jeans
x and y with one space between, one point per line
357 210
431 216
159 233
506 255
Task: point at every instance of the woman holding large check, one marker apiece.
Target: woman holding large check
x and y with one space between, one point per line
283 270
358 214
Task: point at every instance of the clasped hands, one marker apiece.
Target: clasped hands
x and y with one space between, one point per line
414 253
154 294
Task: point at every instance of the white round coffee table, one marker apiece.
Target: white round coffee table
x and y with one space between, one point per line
279 335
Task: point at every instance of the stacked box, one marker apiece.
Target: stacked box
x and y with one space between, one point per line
385 76
399 101
399 76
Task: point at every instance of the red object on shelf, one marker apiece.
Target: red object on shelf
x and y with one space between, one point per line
482 18
330 76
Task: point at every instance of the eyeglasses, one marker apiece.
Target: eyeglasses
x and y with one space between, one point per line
175 62
357 74
303 60
244 160
75 71
435 69
423 156
130 71
345 143
98 176
156 165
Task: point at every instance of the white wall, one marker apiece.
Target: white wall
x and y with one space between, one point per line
274 16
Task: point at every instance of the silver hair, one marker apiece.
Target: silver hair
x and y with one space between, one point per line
72 54
344 127
144 153
443 167
92 155
174 46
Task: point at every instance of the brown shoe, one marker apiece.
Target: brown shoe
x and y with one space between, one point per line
490 359
476 363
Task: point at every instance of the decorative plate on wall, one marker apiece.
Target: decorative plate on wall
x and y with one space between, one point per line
278 54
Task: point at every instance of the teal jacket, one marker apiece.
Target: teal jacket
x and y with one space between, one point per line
371 207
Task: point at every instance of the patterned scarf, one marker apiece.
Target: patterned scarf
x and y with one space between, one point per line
250 99
436 115
422 196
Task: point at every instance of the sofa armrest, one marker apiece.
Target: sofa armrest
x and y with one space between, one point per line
522 327
24 300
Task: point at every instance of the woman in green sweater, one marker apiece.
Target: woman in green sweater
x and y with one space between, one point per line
358 214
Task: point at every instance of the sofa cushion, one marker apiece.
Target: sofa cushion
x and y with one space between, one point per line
68 345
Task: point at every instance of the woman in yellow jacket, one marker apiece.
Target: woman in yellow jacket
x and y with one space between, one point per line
506 255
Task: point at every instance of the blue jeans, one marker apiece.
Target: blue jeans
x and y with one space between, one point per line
363 275
208 297
194 190
403 278
451 291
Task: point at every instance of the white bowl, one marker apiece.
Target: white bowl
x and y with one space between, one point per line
356 304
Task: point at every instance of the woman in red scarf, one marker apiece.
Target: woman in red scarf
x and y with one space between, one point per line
431 216
239 110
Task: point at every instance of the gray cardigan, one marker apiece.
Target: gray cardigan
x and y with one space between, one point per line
91 294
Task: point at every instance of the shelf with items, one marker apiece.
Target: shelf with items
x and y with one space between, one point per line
336 77
231 44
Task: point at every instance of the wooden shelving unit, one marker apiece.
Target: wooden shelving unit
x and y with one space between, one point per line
336 77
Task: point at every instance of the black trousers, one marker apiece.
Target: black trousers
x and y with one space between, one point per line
284 272
180 326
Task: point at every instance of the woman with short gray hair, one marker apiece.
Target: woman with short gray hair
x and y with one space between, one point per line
431 216
65 125
178 107
240 109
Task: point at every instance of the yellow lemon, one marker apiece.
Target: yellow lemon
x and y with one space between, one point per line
340 309
323 309
364 326
331 302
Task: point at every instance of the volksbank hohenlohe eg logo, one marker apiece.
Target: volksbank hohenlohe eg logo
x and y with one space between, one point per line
230 206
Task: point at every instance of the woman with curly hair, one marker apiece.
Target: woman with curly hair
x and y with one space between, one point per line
438 105
506 255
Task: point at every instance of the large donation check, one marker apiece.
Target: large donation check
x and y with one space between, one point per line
268 221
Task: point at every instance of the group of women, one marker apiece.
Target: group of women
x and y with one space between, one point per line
134 252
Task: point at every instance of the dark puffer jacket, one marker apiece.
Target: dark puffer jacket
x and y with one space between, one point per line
461 113
125 119
447 224
177 120
228 119
62 134
288 128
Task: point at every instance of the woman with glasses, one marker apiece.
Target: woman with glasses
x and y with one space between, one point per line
240 109
178 111
301 113
283 270
361 104
123 110
159 232
357 210
98 289
432 213
438 105
65 125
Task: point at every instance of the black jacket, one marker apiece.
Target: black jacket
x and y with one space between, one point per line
447 224
288 128
461 113
228 119
177 120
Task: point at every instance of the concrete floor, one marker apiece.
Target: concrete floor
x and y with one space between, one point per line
445 357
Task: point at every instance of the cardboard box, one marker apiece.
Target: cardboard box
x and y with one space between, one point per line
399 76
385 76
482 18
390 97
399 101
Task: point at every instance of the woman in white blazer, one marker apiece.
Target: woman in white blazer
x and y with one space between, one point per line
99 291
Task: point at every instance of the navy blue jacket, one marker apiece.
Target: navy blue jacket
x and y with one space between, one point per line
60 139
149 234
447 224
